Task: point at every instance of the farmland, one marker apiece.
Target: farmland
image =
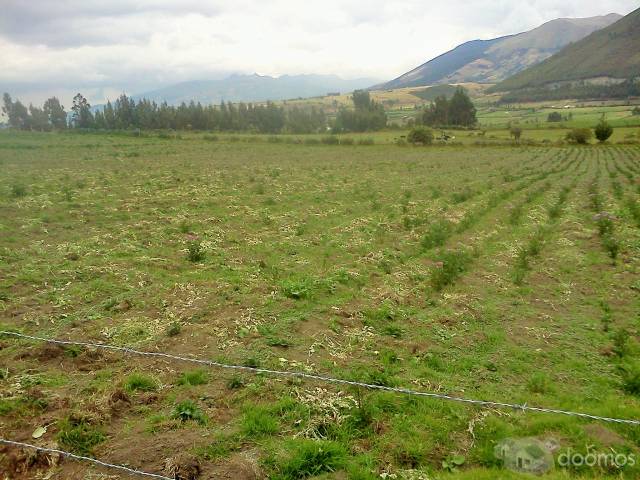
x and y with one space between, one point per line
498 273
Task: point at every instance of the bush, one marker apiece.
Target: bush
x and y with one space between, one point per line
579 135
436 235
450 265
18 190
603 130
420 136
554 117
630 373
330 140
174 329
195 252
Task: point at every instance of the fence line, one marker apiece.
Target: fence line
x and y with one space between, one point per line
322 378
122 468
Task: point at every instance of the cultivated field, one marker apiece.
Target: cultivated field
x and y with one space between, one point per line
496 273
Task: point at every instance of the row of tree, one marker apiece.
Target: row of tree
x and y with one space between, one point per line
127 113
51 115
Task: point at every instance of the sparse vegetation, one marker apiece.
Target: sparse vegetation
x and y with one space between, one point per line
479 272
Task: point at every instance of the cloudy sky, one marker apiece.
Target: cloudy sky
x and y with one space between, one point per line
105 47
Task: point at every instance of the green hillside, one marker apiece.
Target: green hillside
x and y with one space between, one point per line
610 52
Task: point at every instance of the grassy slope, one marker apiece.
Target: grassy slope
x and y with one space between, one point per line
610 52
314 257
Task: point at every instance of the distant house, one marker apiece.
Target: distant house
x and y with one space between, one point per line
526 455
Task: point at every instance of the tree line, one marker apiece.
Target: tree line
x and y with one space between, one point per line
125 113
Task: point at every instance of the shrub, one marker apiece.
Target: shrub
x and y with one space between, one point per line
462 195
630 373
330 140
346 141
420 136
140 383
18 190
436 235
450 265
235 382
554 117
174 329
603 130
579 135
195 252
366 141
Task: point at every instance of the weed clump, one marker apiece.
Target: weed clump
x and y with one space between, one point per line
18 190
137 382
187 410
308 458
449 266
192 378
195 252
79 435
437 234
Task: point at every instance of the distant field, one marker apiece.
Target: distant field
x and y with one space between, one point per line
496 273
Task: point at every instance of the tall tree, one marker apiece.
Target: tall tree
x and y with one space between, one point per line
461 109
38 119
16 112
55 113
81 117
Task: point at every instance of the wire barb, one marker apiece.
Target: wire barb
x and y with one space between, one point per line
321 378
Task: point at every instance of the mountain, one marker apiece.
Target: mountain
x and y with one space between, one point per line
253 88
613 52
491 61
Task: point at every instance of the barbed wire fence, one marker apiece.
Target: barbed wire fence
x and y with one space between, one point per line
122 468
291 374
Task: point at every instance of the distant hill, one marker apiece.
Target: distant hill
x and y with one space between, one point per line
254 88
613 52
491 61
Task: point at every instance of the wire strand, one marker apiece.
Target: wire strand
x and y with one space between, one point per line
122 468
322 378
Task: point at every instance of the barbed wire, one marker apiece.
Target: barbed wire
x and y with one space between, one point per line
122 468
322 378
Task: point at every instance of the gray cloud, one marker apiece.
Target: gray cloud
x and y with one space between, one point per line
102 47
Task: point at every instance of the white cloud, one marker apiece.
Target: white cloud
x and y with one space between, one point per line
105 47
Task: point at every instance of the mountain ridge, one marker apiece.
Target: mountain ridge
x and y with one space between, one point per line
611 52
253 88
493 60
